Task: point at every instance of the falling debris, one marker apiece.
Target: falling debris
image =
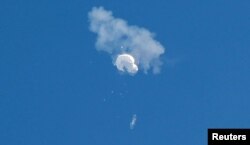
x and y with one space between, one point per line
133 122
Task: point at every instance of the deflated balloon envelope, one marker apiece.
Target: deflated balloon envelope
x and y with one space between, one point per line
126 63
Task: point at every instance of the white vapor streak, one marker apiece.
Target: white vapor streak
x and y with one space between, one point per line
116 37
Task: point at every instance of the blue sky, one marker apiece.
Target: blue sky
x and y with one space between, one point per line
57 89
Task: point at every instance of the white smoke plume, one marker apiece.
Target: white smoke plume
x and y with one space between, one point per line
133 47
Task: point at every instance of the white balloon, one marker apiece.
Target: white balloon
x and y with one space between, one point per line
126 63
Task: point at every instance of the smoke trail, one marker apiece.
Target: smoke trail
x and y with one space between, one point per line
116 37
